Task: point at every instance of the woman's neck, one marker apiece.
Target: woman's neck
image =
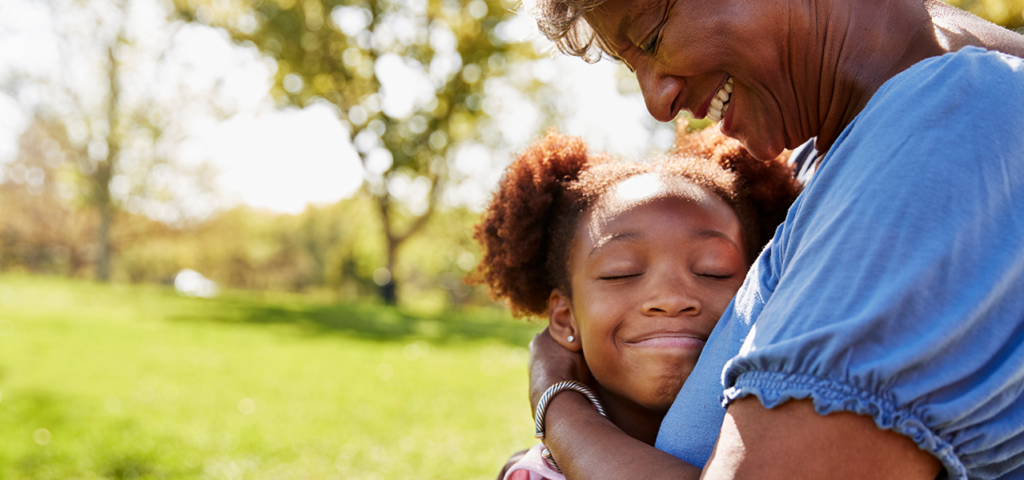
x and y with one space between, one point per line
863 44
636 420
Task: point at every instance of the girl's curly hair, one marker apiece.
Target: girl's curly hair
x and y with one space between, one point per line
527 230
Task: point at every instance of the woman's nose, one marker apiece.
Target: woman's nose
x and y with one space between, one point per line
660 91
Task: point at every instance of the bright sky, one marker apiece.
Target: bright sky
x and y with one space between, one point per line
281 160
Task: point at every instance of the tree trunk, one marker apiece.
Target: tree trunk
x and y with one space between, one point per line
105 171
103 244
389 291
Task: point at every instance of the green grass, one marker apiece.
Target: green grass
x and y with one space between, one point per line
118 381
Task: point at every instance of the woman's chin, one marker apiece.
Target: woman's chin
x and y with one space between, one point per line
761 148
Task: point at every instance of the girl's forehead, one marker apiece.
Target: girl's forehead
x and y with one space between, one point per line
638 191
648 186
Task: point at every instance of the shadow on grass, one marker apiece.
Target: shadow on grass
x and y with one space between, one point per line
374 322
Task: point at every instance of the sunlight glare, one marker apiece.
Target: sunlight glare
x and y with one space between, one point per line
283 161
639 187
246 406
41 436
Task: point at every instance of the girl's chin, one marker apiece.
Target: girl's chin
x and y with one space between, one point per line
660 405
662 394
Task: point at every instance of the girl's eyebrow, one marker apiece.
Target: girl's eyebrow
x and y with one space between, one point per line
709 233
615 238
632 236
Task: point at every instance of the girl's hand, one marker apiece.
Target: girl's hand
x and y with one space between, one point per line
551 363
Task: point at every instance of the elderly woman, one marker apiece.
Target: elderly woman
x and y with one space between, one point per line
881 333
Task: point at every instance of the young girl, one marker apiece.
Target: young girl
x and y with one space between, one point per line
632 263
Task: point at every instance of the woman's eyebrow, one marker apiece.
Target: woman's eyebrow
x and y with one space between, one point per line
631 16
615 238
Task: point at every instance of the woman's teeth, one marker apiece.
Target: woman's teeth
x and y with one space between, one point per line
720 104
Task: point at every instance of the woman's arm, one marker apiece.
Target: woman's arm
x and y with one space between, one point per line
791 441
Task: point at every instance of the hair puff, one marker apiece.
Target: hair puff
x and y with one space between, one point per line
515 230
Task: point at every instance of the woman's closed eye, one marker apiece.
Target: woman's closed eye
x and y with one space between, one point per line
651 46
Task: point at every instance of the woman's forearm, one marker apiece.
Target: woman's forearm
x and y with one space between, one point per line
588 446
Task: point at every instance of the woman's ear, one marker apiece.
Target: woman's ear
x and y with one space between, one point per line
562 322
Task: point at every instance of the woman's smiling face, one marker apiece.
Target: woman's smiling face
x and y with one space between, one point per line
688 53
654 265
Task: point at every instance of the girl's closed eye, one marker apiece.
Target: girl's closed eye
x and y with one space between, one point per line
719 270
619 276
716 276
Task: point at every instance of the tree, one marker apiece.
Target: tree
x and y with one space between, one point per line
108 97
407 77
1007 13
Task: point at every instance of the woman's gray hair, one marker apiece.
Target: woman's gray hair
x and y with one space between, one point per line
562 22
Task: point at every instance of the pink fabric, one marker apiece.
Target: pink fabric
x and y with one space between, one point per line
532 467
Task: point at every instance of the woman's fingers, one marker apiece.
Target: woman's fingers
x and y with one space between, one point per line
551 363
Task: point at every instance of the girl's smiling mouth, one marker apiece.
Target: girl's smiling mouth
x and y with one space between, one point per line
684 340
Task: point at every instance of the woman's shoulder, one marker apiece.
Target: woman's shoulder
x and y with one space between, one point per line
969 72
957 106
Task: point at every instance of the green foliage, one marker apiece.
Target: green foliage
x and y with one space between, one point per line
436 262
1008 13
332 248
320 60
106 131
120 381
339 52
338 64
44 234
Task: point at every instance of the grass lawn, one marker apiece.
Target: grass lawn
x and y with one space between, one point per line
124 381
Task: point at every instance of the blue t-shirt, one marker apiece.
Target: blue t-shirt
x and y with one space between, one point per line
895 287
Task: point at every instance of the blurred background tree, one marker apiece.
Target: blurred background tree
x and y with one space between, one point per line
114 97
1008 13
107 123
106 102
406 76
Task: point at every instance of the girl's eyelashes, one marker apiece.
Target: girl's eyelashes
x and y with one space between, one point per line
618 276
715 276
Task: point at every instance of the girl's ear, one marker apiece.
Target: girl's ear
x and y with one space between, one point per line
562 322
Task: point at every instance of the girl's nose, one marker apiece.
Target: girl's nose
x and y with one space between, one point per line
671 300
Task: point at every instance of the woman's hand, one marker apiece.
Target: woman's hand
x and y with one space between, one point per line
551 363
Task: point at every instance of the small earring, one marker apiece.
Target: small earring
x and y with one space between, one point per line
571 338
